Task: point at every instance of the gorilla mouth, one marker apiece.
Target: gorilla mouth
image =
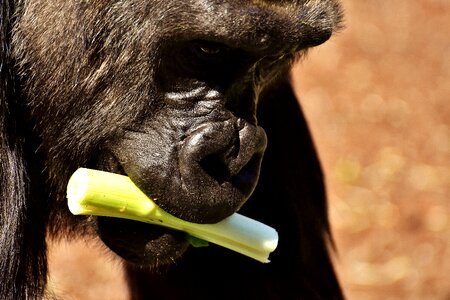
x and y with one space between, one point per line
138 243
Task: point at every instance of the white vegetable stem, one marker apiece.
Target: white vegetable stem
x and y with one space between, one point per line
93 192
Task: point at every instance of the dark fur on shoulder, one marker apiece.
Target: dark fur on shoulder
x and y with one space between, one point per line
107 84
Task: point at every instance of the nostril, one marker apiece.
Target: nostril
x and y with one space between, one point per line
215 166
246 178
219 167
234 158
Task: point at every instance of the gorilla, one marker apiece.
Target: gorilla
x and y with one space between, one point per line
189 98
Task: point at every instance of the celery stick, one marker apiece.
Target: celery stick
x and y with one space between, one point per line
93 192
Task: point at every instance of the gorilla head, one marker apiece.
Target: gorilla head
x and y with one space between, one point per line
174 94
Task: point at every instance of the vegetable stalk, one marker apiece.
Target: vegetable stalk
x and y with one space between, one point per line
93 192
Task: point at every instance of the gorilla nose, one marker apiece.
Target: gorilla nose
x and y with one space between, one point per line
219 166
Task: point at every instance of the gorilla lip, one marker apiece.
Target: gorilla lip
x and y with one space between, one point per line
93 192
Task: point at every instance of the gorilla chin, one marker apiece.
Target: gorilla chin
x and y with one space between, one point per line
141 244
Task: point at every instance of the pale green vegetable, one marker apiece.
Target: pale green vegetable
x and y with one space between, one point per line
93 192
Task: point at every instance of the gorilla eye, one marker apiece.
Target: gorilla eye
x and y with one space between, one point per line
210 51
209 61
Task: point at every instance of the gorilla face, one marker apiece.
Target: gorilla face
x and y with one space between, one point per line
199 153
165 92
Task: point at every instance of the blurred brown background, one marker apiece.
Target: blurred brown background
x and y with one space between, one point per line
377 98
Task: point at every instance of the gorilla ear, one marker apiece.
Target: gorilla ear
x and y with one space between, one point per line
290 195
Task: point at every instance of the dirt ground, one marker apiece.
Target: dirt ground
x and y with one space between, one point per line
377 99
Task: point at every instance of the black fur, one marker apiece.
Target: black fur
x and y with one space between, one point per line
172 93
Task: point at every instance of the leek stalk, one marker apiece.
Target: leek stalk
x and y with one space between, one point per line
93 192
